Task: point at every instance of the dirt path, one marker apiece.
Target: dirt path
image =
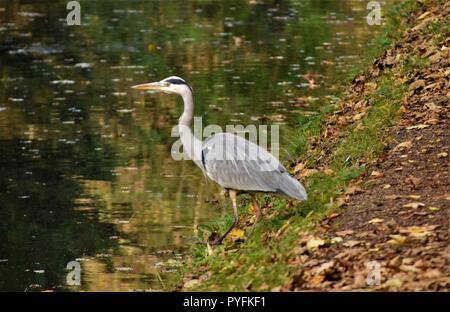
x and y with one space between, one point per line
392 233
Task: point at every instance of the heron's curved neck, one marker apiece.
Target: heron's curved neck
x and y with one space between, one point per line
188 113
191 145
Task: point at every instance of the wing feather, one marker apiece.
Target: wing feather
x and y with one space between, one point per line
236 163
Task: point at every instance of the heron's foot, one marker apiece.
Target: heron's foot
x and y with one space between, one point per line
215 239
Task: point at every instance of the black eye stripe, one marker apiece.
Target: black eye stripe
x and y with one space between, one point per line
176 81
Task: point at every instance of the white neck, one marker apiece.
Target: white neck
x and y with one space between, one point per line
191 145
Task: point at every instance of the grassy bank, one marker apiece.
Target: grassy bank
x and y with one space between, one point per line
334 148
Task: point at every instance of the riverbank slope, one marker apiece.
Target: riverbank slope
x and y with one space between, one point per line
376 167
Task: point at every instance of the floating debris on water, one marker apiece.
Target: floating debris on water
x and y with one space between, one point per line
63 82
83 65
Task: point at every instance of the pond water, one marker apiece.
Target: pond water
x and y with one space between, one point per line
86 169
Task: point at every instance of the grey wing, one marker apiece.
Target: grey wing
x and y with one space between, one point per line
236 163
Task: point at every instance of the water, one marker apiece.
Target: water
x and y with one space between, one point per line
86 171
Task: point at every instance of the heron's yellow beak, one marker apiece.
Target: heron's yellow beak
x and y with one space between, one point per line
149 86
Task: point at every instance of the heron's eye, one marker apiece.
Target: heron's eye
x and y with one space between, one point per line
166 84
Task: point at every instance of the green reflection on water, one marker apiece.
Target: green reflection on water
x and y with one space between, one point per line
86 171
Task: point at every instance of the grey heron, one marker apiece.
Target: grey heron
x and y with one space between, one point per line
236 164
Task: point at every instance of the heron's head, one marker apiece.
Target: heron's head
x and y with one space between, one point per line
172 84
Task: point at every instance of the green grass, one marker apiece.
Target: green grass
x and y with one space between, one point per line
262 261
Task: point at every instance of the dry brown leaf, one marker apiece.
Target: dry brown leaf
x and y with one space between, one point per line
396 240
308 172
328 171
315 243
393 283
353 190
414 205
422 16
299 167
417 127
390 197
236 234
418 231
351 243
337 240
358 116
345 232
417 84
403 145
377 174
316 280
375 220
415 181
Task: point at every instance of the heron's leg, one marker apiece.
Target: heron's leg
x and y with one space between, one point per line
225 193
258 214
256 208
233 197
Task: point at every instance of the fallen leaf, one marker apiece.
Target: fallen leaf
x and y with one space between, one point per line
418 231
299 167
191 283
236 234
417 127
414 205
392 196
316 280
409 268
375 220
395 262
336 240
358 116
333 215
393 283
422 16
351 243
442 155
415 181
315 243
345 233
433 273
403 145
328 171
308 172
397 240
377 174
417 85
353 190
209 249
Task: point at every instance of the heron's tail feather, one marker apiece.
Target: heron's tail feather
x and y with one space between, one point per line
292 188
